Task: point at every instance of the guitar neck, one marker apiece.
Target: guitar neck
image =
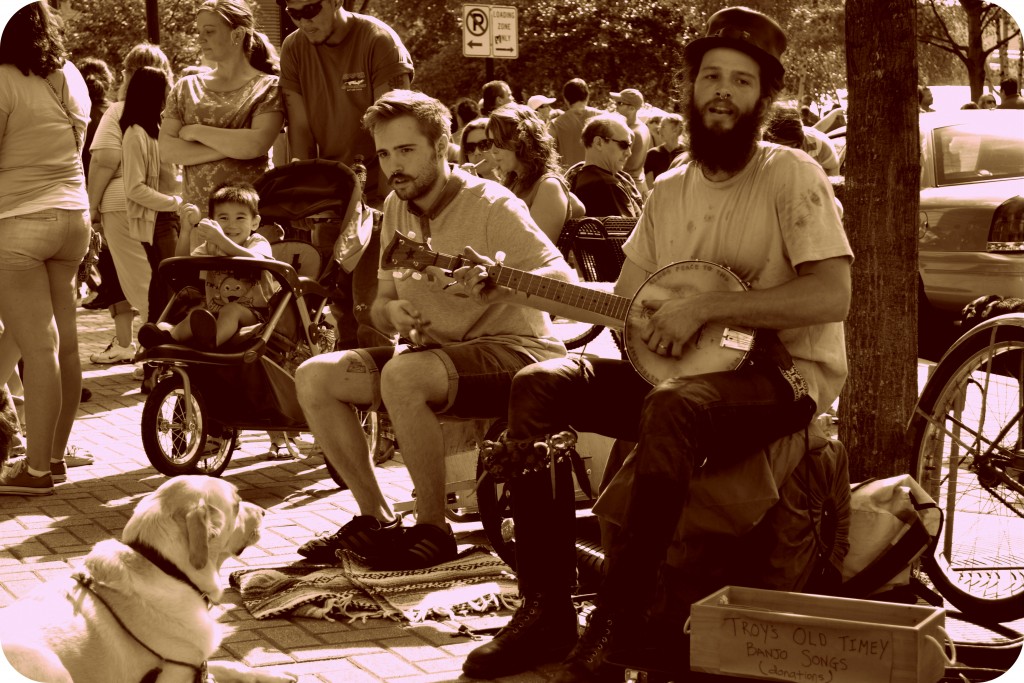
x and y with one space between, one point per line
558 291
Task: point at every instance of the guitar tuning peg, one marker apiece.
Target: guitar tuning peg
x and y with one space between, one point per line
499 257
411 234
416 275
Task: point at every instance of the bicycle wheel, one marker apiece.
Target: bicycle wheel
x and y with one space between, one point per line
176 445
969 455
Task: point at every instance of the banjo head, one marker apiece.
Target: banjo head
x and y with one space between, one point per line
715 347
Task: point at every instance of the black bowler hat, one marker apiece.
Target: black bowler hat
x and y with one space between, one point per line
746 30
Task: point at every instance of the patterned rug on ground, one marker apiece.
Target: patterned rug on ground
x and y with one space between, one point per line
475 582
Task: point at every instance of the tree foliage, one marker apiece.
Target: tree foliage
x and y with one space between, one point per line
109 28
967 33
611 44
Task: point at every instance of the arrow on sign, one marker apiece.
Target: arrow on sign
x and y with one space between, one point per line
473 43
502 49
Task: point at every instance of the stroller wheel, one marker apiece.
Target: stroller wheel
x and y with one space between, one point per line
380 436
177 444
335 475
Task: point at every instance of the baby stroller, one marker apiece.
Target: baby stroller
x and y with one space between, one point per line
192 417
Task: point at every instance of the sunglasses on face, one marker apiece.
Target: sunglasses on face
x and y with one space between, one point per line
307 12
623 144
482 146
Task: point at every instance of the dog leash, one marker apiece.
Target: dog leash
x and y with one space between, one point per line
168 567
202 673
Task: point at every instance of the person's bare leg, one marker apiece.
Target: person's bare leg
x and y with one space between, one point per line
62 292
410 385
27 310
123 320
230 319
328 385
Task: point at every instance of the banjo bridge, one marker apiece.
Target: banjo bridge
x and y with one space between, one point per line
739 341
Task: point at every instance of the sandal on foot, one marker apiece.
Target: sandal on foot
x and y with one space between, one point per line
283 449
77 457
421 546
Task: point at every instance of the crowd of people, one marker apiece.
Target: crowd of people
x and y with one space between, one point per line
734 178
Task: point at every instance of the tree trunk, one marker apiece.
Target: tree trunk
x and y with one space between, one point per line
976 66
882 186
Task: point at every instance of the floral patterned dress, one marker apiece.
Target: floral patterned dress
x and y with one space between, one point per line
191 101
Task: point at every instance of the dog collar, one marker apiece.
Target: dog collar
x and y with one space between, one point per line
168 567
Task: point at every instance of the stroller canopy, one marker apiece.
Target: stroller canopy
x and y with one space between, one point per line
303 188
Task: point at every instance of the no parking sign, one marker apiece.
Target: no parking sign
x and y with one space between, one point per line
490 31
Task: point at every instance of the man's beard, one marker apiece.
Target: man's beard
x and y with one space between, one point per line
724 150
420 185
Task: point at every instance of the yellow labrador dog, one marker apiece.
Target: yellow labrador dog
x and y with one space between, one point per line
139 612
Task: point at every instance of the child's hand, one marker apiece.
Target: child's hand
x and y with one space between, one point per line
190 214
211 231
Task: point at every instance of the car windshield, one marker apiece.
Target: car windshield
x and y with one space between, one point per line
971 152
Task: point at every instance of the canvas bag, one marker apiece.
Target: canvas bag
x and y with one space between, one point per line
892 522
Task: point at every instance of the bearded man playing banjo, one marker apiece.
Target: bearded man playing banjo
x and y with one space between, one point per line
768 214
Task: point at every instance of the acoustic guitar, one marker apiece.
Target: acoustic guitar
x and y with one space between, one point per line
714 348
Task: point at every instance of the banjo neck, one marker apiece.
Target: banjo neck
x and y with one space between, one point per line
713 348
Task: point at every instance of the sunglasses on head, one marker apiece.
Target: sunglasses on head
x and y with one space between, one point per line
307 12
623 144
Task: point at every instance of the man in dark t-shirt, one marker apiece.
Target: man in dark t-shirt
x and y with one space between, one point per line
659 158
332 69
599 181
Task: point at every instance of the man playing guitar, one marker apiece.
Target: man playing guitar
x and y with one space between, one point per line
767 213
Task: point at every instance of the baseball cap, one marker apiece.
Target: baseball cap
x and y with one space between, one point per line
629 96
538 101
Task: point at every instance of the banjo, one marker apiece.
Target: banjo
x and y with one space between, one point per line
714 348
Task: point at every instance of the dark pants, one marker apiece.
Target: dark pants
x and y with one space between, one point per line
679 425
165 241
109 290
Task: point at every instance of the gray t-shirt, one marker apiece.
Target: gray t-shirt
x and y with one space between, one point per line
488 218
775 214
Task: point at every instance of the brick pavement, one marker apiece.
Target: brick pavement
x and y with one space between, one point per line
42 538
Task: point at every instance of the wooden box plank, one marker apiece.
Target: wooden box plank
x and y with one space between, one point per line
775 635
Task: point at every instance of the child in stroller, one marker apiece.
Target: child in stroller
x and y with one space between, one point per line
231 302
207 394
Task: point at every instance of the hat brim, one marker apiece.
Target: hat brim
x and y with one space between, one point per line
695 50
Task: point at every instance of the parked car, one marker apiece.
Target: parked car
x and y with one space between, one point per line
971 220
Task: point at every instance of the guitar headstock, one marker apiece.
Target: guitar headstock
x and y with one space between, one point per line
407 253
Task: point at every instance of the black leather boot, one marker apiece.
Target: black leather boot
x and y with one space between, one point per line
542 630
586 663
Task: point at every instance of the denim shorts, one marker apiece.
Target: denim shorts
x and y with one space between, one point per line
479 375
52 235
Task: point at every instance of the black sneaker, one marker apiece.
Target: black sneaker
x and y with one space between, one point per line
586 663
366 536
418 547
151 336
542 630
